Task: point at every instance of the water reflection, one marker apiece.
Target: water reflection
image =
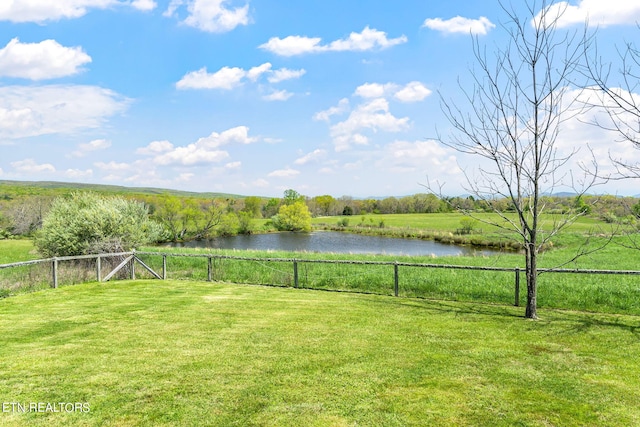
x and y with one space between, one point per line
333 241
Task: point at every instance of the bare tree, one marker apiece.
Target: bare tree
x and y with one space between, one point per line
519 100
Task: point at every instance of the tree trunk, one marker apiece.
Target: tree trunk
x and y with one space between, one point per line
532 282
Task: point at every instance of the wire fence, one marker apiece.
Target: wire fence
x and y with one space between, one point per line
558 288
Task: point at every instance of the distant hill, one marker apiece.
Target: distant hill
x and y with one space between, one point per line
113 189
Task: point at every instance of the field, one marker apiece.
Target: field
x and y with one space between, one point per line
17 250
195 353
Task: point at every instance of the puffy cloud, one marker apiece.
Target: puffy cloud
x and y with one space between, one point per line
374 116
368 39
144 5
254 73
95 145
284 173
595 12
55 109
38 61
41 11
204 151
412 92
225 78
311 157
285 74
458 24
155 147
279 95
375 90
210 15
342 107
30 166
191 155
228 78
238 135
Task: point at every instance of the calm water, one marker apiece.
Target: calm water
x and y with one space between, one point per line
333 241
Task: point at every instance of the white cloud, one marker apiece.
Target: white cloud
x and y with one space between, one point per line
342 107
238 135
284 173
212 16
458 24
313 156
155 147
233 165
374 116
30 166
368 39
204 151
375 90
228 78
38 61
55 109
41 11
279 95
285 74
596 12
412 92
191 155
254 73
95 145
144 5
225 78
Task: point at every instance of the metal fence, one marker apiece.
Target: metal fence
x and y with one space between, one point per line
488 284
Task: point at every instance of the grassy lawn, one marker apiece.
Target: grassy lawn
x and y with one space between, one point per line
195 353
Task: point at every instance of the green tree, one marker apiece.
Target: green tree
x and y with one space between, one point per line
84 223
293 217
253 206
292 196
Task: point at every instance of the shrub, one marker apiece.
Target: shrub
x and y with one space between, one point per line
84 223
293 217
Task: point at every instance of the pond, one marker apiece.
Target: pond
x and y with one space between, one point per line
337 242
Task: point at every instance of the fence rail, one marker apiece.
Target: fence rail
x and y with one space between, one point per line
386 277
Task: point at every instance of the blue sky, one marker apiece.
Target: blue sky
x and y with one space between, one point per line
257 96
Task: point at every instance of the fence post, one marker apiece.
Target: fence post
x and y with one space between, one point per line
209 269
396 279
55 272
164 267
133 266
295 273
517 302
99 268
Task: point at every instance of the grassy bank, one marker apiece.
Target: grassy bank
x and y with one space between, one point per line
193 353
586 292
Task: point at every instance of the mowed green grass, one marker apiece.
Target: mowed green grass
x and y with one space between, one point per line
195 353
